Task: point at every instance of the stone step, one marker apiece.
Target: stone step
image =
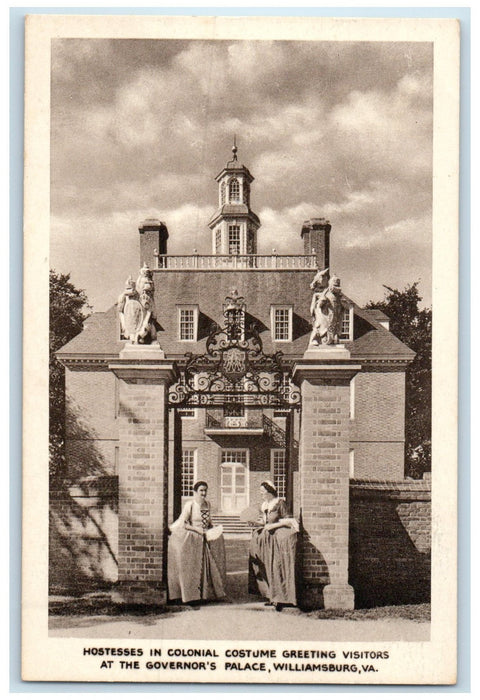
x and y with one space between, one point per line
231 524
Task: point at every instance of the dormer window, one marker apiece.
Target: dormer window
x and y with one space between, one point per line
187 322
346 332
281 320
234 190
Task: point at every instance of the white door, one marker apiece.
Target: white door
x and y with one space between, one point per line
234 487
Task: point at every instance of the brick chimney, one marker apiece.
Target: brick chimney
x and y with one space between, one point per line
316 238
153 242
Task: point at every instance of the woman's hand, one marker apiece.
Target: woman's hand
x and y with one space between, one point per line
192 528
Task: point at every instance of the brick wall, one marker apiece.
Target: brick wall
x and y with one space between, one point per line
390 533
377 431
83 536
91 427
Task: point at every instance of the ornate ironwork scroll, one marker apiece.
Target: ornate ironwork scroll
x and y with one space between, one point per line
234 368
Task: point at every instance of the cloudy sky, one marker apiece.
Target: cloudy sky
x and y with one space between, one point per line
342 130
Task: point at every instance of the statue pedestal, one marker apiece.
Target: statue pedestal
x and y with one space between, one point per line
327 352
132 351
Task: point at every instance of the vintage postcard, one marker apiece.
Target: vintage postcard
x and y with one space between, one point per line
240 423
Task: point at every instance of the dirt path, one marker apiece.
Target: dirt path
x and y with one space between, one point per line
244 619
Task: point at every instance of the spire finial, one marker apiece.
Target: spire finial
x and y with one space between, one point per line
234 148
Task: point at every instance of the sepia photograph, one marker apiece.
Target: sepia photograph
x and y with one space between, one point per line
243 241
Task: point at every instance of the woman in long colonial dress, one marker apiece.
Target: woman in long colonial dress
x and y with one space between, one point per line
196 552
273 550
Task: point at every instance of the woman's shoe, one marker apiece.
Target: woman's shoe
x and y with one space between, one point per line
268 603
278 607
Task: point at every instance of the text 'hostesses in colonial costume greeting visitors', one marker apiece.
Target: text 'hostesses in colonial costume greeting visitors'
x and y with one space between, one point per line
273 552
196 552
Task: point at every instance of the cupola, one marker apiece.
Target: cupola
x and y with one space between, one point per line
234 225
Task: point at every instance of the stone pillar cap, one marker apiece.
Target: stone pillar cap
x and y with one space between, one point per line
314 370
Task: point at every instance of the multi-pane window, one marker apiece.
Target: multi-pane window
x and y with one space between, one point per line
234 190
188 472
188 323
234 239
234 456
218 240
223 193
345 329
282 322
246 192
278 471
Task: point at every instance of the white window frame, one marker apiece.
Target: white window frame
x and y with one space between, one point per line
195 468
239 227
188 307
349 336
245 450
230 198
273 453
284 307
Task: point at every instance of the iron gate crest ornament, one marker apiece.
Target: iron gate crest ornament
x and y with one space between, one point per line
234 366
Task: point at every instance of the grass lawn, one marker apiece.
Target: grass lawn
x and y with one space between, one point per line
419 612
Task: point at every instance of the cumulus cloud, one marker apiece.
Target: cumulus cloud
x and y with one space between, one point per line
341 130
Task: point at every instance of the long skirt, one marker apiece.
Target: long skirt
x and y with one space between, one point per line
272 565
196 568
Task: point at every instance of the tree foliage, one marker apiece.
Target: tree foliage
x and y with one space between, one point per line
413 326
69 308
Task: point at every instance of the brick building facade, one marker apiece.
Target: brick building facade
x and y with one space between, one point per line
123 427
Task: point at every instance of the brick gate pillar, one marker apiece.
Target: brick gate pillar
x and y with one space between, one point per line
324 379
144 377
